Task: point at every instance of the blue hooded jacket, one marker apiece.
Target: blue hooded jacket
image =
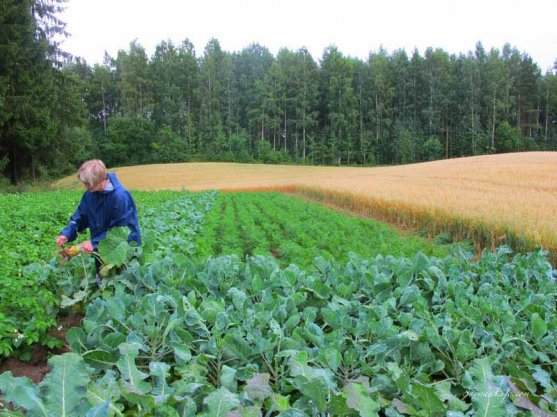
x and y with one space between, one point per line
100 211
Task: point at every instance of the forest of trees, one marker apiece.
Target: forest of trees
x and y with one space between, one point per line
180 105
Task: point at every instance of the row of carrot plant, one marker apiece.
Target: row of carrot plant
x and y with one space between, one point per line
295 231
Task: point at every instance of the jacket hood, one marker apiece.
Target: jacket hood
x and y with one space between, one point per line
114 181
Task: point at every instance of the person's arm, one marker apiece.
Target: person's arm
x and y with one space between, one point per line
78 223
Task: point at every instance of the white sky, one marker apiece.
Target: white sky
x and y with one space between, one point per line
356 27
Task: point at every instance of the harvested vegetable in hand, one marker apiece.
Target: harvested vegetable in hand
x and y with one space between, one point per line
70 251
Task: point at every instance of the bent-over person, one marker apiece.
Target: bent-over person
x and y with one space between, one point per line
104 205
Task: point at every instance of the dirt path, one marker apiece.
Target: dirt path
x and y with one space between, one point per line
37 367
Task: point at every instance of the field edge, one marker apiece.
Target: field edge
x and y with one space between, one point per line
481 234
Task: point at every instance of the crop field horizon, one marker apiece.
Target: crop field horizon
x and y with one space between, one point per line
492 200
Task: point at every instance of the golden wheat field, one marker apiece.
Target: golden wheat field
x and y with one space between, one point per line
495 195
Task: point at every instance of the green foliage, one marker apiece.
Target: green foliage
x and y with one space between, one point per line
404 147
28 225
508 138
114 249
168 147
343 111
239 148
220 402
63 392
134 82
128 141
489 395
252 106
267 155
293 231
39 104
371 336
377 334
432 149
35 285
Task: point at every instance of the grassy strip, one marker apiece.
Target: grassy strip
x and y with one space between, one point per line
212 228
230 239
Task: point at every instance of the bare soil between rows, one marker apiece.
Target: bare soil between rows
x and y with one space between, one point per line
37 367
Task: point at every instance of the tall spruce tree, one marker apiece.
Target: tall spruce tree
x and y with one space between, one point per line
338 105
250 65
135 84
306 96
381 106
211 89
31 86
175 75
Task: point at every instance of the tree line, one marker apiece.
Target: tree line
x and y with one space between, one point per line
177 105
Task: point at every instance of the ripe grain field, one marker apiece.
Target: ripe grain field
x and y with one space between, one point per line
492 200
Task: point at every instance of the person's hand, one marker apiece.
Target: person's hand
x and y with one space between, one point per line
87 247
61 240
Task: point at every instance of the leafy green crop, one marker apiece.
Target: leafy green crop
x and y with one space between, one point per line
398 336
34 283
63 392
296 232
28 225
177 333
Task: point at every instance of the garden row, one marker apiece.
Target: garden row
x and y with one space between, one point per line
373 337
295 231
34 282
32 278
28 225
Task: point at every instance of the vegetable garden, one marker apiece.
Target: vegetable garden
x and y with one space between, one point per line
262 305
294 231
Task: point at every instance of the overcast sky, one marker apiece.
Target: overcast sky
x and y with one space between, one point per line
356 27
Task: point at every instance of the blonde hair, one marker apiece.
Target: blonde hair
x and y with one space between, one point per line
92 172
